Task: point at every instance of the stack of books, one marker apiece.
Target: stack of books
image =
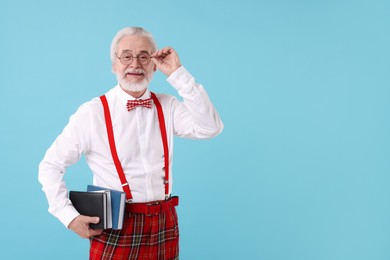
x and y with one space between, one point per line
108 205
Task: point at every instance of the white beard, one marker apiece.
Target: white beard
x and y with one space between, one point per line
134 86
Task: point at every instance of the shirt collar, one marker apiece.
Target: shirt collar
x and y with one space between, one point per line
123 96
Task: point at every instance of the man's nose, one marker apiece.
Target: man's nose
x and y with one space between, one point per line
135 63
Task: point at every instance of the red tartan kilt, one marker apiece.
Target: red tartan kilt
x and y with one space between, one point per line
145 237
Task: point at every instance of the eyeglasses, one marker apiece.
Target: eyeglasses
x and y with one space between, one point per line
126 58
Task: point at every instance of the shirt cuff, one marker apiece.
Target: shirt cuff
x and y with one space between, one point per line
180 79
67 215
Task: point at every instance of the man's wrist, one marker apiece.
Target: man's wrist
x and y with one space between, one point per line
175 72
67 215
180 77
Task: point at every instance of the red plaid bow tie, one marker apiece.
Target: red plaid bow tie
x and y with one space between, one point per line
139 103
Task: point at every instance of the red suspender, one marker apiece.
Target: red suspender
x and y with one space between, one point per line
111 140
164 138
114 154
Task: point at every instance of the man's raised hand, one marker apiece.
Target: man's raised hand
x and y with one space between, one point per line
166 60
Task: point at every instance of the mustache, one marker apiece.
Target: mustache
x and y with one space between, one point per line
139 71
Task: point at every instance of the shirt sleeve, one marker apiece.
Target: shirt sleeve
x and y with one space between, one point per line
196 116
65 151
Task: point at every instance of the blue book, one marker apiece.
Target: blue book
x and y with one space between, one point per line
118 199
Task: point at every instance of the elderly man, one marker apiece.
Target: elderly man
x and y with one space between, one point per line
126 136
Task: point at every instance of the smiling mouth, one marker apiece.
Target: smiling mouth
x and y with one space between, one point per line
134 74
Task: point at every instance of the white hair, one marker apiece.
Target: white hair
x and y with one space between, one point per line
127 31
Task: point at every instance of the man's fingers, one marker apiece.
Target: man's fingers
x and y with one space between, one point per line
93 220
88 220
166 60
162 53
80 225
95 232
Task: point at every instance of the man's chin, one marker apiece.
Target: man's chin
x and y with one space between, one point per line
134 87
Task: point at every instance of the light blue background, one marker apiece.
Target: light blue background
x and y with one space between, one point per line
301 171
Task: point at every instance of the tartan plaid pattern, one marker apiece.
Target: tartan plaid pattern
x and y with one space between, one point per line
143 237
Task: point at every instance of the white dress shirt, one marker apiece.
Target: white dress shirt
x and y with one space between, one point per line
138 142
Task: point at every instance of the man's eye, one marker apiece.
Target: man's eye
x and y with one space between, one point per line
143 57
127 57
